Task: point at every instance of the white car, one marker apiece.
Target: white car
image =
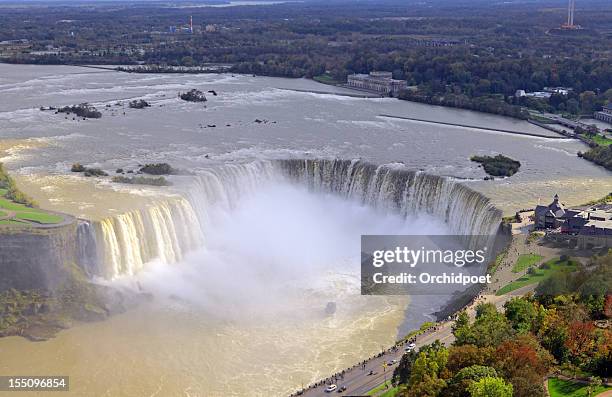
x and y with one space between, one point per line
410 348
330 388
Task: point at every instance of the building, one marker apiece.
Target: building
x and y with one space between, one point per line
539 94
549 216
596 234
605 114
586 228
381 82
436 43
558 90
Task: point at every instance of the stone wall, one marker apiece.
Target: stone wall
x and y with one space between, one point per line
37 258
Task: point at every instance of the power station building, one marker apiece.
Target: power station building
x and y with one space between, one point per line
381 82
605 114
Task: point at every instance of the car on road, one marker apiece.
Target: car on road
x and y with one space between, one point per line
342 389
410 347
330 388
372 372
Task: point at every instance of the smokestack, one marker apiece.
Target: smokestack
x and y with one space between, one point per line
571 9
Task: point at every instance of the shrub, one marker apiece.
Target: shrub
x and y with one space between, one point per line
139 104
193 95
158 169
82 110
76 167
499 165
12 192
94 172
141 180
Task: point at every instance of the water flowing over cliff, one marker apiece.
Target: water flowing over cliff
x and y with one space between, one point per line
225 186
168 229
395 188
123 244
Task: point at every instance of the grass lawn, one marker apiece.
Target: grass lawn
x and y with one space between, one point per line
525 261
601 140
541 119
554 265
326 79
6 204
39 217
498 261
391 391
566 388
26 213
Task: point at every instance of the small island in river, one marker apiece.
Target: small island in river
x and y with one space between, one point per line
499 165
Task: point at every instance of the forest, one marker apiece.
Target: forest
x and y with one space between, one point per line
560 332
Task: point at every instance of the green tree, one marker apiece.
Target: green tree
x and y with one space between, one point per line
402 372
573 106
490 328
463 320
521 312
490 387
459 385
587 101
468 355
429 386
425 379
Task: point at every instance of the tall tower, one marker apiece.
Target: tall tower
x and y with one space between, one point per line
191 24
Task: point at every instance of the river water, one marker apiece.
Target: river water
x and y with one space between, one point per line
219 325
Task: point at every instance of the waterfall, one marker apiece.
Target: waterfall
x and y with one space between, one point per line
395 188
224 186
124 243
169 228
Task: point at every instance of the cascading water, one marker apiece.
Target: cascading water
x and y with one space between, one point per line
123 244
224 186
466 211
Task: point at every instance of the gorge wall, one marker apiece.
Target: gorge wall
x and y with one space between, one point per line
37 258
